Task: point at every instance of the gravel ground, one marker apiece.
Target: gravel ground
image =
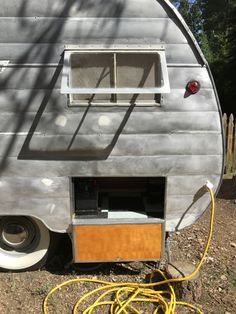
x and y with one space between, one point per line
24 292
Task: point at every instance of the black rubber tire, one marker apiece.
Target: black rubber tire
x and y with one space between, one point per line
33 258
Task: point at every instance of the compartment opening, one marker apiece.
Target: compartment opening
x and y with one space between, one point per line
119 198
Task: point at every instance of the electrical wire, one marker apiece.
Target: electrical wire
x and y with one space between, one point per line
124 296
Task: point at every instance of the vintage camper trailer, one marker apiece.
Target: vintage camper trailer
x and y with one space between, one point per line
110 127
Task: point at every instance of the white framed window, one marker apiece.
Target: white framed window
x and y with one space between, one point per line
114 77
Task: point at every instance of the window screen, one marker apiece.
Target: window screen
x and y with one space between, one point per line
114 77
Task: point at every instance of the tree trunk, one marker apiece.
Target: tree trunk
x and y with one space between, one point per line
190 290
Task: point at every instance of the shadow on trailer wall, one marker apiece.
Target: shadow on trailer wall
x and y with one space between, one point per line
32 83
36 68
92 90
47 140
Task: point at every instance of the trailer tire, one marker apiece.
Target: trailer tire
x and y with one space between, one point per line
24 243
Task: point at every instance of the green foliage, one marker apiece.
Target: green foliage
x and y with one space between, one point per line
218 28
205 45
192 14
231 56
213 23
215 26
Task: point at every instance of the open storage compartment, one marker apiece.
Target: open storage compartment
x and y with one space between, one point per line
119 198
118 219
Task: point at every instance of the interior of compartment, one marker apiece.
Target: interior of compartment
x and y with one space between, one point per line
119 198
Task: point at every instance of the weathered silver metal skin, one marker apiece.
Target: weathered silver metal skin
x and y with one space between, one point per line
181 139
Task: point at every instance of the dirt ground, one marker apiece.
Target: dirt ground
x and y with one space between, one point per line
24 292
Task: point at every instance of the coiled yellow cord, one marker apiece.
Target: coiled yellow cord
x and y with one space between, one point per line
164 299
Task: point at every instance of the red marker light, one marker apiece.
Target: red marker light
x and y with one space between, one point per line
193 87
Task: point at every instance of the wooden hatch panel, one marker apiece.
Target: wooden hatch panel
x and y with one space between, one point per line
118 242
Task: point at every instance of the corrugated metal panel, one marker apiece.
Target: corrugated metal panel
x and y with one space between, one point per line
17 101
182 211
174 224
30 100
177 100
42 208
66 146
70 31
92 123
189 185
33 188
82 8
178 205
25 77
51 53
115 166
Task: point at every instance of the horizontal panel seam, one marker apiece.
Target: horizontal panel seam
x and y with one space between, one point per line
35 18
219 156
159 111
50 135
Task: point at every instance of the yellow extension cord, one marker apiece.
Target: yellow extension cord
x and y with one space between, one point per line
126 294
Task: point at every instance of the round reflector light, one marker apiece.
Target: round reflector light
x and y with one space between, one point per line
193 87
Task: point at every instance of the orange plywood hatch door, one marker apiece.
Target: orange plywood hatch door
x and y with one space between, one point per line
118 242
